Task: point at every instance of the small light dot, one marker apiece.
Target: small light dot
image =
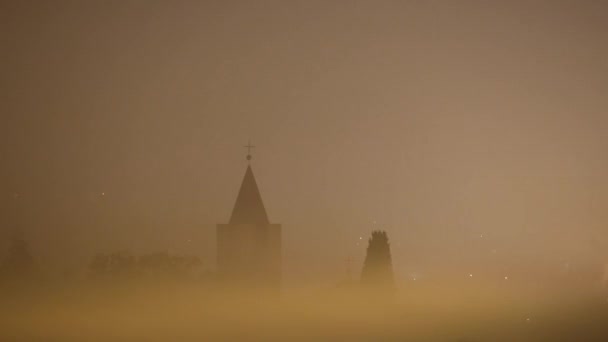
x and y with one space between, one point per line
360 238
470 274
103 194
528 319
506 278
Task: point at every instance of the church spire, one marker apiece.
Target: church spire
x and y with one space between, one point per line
249 208
249 246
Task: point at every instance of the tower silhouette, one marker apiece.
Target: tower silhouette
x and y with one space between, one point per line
249 246
377 270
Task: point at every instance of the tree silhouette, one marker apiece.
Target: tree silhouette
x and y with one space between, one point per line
162 264
377 268
19 264
159 264
119 264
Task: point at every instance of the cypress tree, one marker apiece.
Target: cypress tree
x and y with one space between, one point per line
377 268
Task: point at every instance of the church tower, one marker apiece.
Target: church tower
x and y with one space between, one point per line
249 246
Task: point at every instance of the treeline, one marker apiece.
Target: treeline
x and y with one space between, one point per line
19 266
19 269
153 265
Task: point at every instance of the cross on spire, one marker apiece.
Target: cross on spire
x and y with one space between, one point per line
249 147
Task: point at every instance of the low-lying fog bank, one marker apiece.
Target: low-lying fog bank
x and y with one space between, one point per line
191 312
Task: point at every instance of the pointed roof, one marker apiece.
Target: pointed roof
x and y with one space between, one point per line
249 208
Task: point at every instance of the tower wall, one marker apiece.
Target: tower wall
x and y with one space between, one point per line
249 255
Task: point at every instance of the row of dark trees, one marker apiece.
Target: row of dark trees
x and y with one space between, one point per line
19 265
159 264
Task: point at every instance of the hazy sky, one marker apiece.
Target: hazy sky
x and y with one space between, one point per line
475 133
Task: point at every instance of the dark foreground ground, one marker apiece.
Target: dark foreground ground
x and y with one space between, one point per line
190 313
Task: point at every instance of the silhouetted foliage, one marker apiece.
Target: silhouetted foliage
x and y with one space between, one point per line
165 265
377 268
120 264
159 264
19 264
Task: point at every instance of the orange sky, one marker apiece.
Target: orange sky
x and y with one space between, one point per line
440 120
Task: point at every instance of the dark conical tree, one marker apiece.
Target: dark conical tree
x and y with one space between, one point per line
377 269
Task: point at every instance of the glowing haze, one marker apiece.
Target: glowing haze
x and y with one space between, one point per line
474 133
